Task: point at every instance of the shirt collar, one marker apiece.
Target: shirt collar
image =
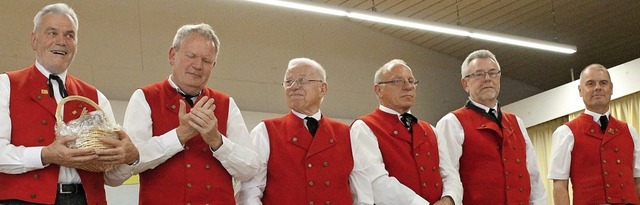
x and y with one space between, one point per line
596 116
391 111
316 116
46 72
173 85
484 107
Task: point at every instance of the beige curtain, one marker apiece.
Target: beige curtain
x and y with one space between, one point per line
541 139
626 109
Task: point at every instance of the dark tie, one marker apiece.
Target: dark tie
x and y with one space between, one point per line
63 91
312 124
604 121
492 113
408 119
188 98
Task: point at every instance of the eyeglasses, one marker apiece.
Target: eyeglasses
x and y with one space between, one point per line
299 81
401 82
481 74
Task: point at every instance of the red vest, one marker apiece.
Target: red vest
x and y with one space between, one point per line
304 169
32 124
602 163
493 165
412 159
193 175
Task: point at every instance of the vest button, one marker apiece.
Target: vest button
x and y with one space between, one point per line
602 149
508 187
607 185
424 184
421 169
604 161
520 175
514 147
327 183
517 160
521 189
44 122
309 165
395 132
616 149
506 173
36 176
79 106
311 183
606 173
433 168
173 107
331 141
326 164
39 97
504 159
428 154
621 186
618 161
620 173
204 149
207 166
188 203
186 148
327 202
295 139
591 131
40 140
189 185
208 187
498 147
188 165
311 203
417 154
437 184
33 195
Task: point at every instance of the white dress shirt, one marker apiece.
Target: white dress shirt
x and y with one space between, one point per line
236 153
451 130
252 190
562 145
21 159
387 189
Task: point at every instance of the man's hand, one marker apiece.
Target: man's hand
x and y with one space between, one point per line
184 131
205 122
123 151
446 200
58 153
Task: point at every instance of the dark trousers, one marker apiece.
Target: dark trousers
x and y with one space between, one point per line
68 194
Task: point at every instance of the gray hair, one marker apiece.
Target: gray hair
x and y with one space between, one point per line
385 67
311 63
474 55
595 66
203 29
59 8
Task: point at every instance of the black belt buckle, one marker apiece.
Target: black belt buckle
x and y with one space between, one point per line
68 188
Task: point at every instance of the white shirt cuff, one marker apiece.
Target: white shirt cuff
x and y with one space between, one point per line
33 157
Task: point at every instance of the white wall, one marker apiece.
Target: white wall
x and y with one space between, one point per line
565 99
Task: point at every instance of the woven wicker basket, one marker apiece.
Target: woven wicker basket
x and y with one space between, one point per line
87 136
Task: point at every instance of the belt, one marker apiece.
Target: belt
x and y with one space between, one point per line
70 188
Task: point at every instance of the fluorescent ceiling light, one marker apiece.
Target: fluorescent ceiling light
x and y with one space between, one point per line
425 25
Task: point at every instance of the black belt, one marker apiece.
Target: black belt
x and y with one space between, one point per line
70 188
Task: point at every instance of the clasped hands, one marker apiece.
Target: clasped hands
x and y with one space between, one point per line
199 120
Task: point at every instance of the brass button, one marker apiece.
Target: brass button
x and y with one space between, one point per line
395 132
309 165
44 122
39 97
517 160
506 173
206 166
208 187
188 165
311 203
421 169
189 185
36 176
417 154
188 203
607 185
428 154
327 202
326 164
504 159
591 131
616 149
606 173
618 161
173 107
424 184
311 183
327 183
604 161
331 141
295 139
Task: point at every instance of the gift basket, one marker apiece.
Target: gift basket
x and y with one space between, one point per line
88 127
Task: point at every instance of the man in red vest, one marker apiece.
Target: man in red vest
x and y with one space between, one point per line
36 167
192 139
490 148
306 157
596 151
405 158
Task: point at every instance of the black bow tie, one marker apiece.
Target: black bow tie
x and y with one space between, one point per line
408 119
312 124
61 89
604 121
